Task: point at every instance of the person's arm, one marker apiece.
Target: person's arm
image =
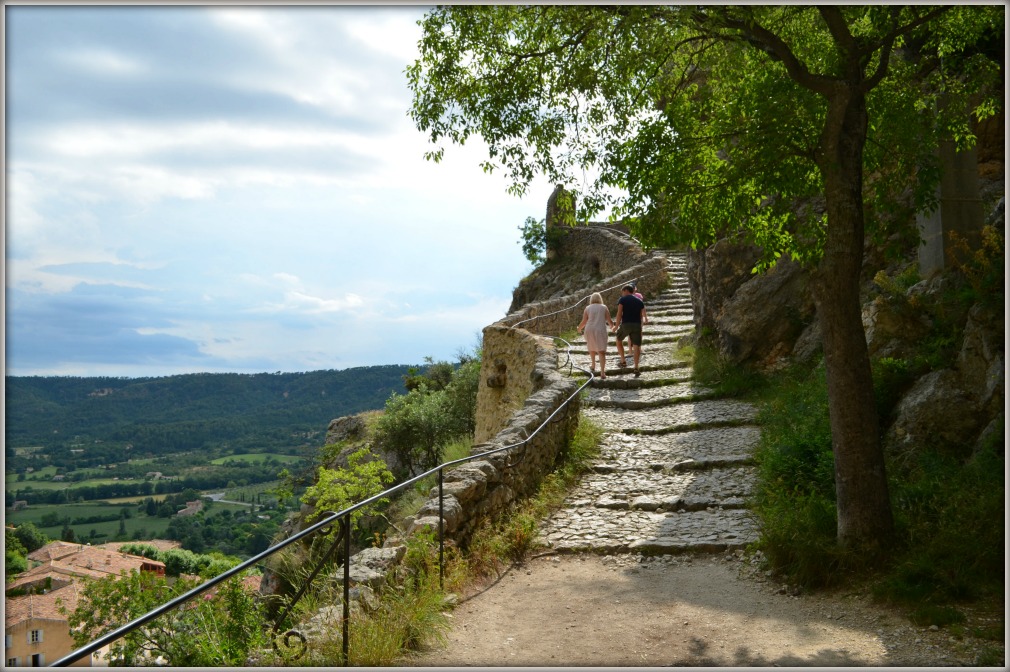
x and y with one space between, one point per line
585 318
620 314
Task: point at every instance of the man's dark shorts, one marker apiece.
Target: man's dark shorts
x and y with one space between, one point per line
632 329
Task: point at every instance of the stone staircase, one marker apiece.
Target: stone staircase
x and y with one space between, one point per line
675 470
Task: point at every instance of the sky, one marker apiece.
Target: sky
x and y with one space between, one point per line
238 189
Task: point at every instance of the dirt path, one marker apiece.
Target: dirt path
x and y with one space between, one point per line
587 610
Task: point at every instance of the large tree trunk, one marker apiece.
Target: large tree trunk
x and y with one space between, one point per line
864 509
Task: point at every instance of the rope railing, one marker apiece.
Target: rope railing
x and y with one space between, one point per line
324 525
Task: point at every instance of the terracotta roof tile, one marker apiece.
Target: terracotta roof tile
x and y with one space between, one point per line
19 609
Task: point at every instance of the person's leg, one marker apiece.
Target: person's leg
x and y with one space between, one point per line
592 361
636 347
603 364
620 349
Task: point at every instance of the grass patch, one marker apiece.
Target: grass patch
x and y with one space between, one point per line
726 378
407 614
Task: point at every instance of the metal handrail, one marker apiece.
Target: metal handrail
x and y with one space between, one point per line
341 517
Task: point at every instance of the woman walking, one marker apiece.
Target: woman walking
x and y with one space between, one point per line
595 320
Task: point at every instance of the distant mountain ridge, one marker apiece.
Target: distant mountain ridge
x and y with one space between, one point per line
185 412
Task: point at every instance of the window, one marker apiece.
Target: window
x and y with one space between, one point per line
35 636
12 662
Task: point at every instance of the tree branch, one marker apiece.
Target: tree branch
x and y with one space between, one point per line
887 43
756 34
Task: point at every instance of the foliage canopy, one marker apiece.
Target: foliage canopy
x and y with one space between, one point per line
698 120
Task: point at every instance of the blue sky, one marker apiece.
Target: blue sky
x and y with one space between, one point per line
238 188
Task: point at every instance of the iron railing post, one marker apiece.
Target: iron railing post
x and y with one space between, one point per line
441 534
345 523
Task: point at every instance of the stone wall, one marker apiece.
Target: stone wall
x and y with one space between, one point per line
521 386
481 488
604 250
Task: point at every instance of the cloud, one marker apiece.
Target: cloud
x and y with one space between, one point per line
238 188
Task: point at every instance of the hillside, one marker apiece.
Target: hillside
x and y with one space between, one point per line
277 412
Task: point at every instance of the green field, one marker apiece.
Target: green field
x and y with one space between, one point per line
121 501
248 493
152 525
257 458
12 485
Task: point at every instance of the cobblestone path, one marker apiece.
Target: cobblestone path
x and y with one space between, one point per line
675 467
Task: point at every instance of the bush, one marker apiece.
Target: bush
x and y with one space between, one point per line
950 519
219 628
794 496
416 426
338 489
948 514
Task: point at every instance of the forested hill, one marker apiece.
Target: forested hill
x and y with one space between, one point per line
185 412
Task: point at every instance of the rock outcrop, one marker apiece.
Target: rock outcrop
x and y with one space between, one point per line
750 318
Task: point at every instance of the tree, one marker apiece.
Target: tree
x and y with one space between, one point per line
31 536
806 128
336 489
219 628
15 555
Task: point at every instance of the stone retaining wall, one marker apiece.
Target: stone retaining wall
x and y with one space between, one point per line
484 487
521 386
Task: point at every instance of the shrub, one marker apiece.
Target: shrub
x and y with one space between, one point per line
218 628
983 268
794 495
416 426
338 489
950 519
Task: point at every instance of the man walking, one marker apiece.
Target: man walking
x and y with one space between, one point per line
629 323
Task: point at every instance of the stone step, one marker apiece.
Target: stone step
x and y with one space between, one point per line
685 490
646 397
678 451
590 529
669 305
675 417
620 379
653 365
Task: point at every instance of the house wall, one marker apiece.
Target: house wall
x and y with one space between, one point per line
56 643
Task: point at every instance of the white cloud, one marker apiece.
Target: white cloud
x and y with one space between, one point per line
255 226
103 62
